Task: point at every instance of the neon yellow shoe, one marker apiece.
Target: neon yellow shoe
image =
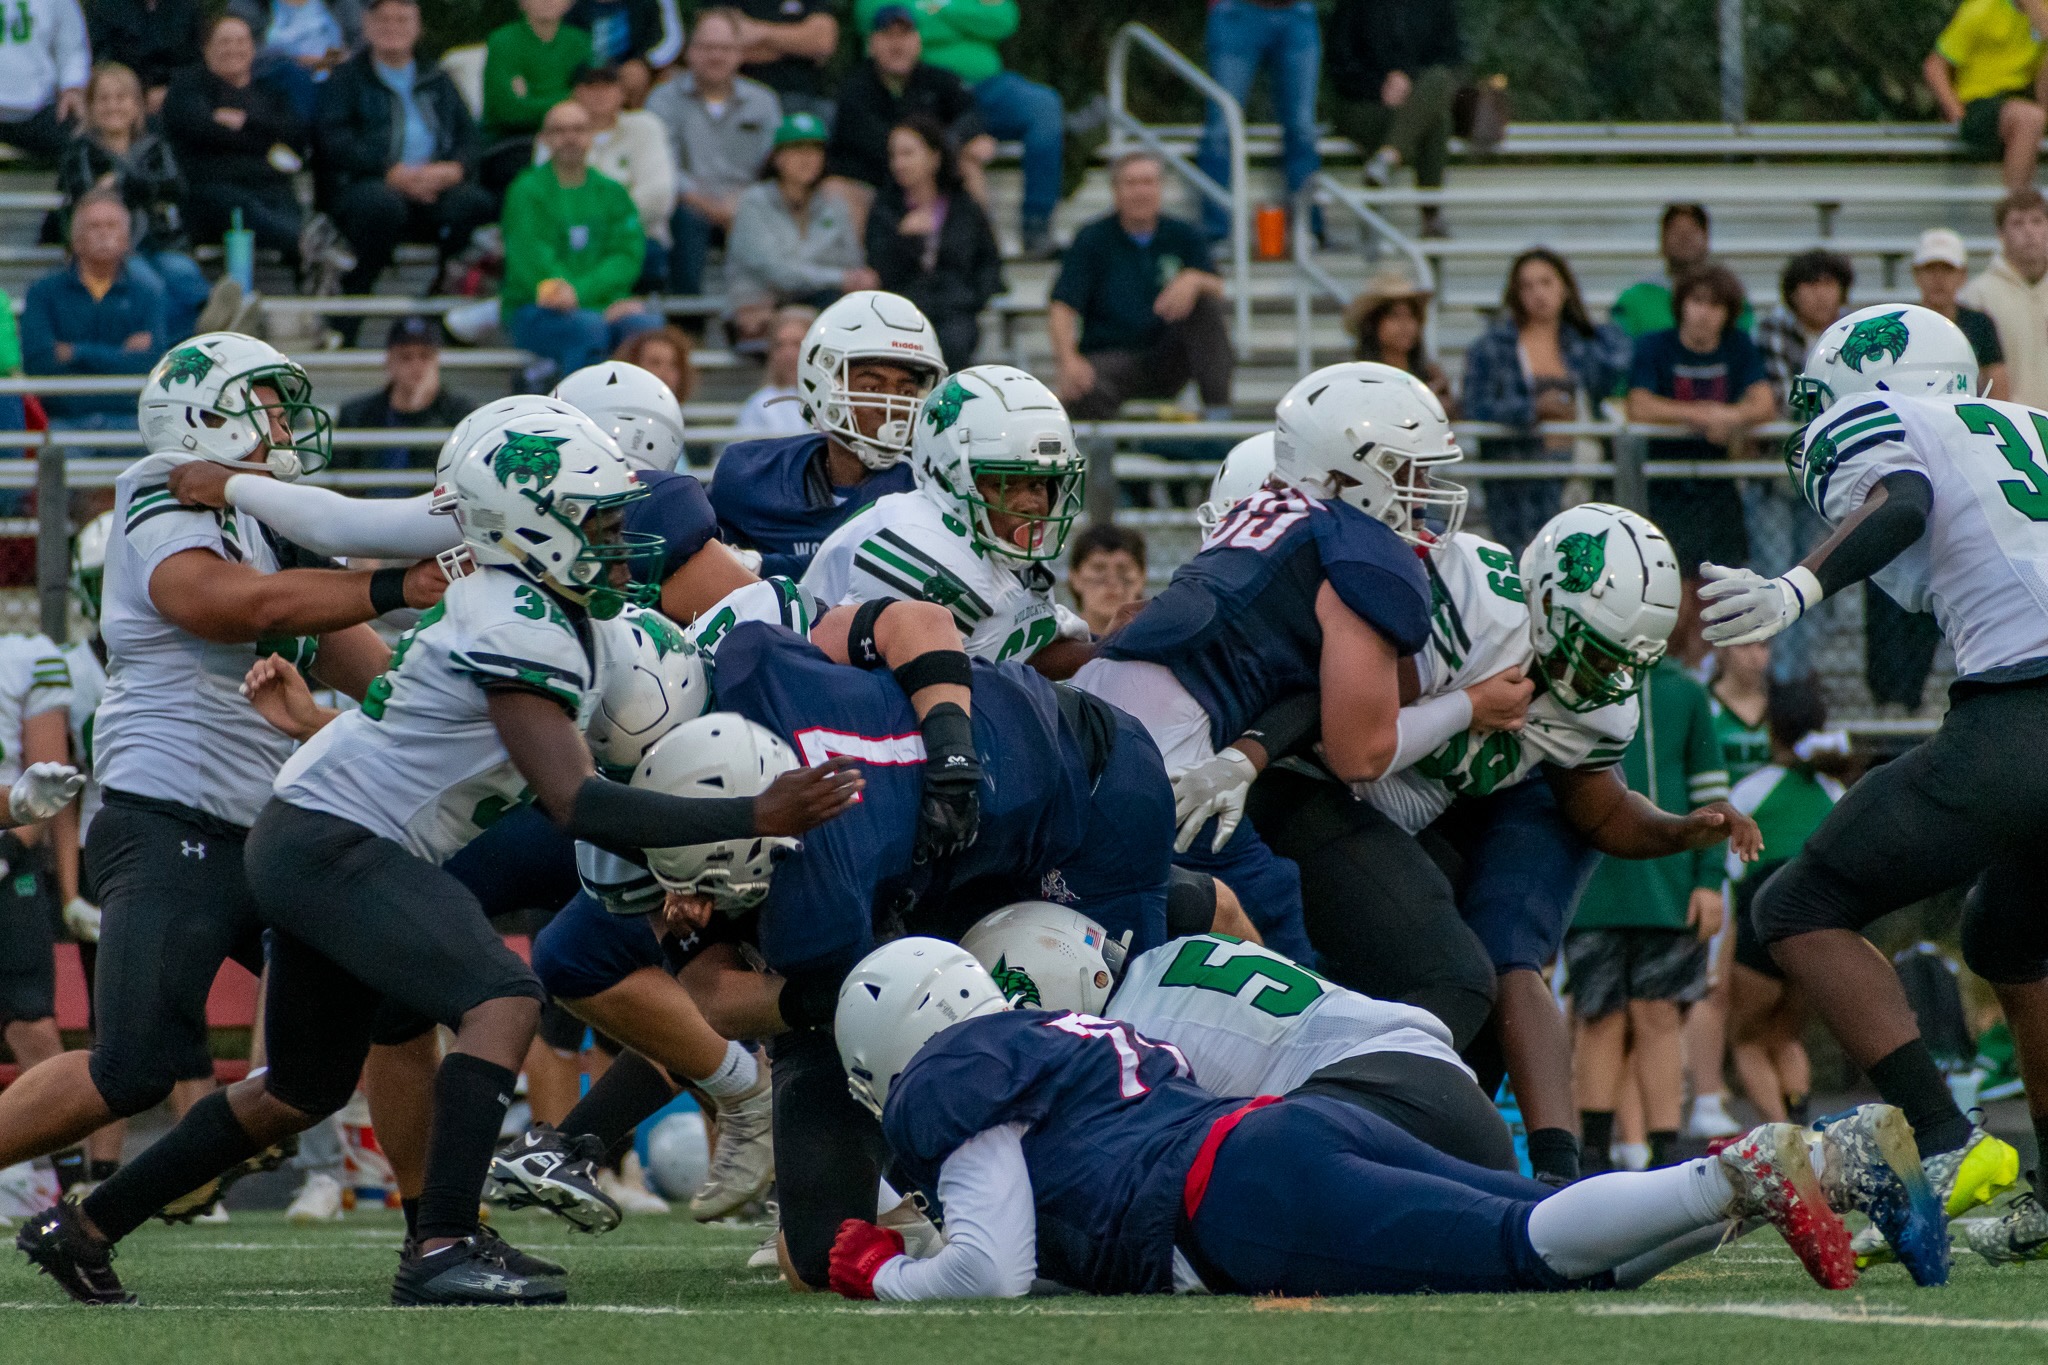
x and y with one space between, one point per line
1969 1177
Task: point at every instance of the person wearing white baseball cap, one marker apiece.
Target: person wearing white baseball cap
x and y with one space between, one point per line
1940 265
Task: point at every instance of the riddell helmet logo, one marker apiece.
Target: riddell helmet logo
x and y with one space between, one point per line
907 345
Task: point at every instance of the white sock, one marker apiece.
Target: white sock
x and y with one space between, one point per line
1633 1274
736 1075
1605 1220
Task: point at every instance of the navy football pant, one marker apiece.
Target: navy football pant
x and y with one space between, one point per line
1268 885
1315 1196
1525 868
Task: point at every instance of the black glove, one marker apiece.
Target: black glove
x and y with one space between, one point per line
950 815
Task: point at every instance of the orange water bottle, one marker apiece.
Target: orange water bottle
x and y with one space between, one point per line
1269 232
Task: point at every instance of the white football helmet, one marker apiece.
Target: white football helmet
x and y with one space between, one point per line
634 408
650 679
900 997
1370 434
1890 348
1044 956
463 441
217 376
89 564
997 422
1244 472
544 495
720 754
1603 591
867 324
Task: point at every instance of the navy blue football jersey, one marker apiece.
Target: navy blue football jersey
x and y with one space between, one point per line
1237 625
678 512
1115 1122
772 496
1034 796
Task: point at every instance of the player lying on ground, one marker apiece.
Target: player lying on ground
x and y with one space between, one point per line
1076 1149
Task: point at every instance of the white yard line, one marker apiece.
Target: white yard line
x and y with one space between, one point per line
1810 1312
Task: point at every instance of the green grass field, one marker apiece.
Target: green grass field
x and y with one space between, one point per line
263 1292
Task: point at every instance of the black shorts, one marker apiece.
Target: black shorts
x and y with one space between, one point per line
1978 131
175 905
1607 968
829 1151
1750 949
1425 1097
28 963
359 921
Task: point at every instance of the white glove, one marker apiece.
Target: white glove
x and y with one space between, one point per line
1216 787
1745 608
82 918
42 791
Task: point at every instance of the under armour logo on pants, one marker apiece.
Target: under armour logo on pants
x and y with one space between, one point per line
191 850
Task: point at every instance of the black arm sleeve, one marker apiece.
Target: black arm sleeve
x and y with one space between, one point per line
625 819
1283 726
1882 536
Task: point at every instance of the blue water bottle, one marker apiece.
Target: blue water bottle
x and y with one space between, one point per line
238 244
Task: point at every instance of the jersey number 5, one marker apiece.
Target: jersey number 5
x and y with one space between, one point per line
2029 493
1285 989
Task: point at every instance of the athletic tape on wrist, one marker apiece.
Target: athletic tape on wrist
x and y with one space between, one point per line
387 590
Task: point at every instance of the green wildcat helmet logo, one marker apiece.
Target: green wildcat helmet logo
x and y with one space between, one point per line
530 459
1016 985
942 409
1581 559
186 365
1874 339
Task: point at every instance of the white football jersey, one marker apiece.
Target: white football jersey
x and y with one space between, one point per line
1252 1022
904 546
88 685
174 724
776 601
1982 565
420 762
34 678
1479 625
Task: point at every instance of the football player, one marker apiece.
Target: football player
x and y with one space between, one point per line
482 703
1310 583
1942 498
1077 1148
192 597
866 366
999 484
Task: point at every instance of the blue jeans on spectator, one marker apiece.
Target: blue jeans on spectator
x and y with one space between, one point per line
294 81
574 338
1014 108
184 285
1241 38
653 269
690 237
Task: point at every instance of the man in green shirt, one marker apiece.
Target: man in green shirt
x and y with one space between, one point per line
573 248
1637 952
529 67
1682 237
961 36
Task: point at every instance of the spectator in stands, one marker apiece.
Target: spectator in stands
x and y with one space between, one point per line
412 396
722 127
155 39
1941 263
1683 236
1242 36
1985 72
1105 573
1813 290
1387 320
2014 291
1394 66
961 36
398 150
786 45
300 41
929 240
1543 360
792 241
115 150
663 352
240 142
95 315
639 37
776 408
573 246
891 85
529 65
43 68
1708 375
1137 308
631 146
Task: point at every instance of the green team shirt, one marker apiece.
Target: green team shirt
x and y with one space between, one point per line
525 77
588 235
959 36
1675 761
1645 307
1787 805
1744 748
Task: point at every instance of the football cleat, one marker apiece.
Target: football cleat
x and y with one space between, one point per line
628 1187
546 1169
203 1203
743 1159
1774 1180
59 1246
493 1247
1972 1175
2018 1234
921 1237
1870 1165
469 1275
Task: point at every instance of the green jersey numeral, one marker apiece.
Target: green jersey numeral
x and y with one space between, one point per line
1285 990
2027 494
1467 769
1026 641
1503 576
378 693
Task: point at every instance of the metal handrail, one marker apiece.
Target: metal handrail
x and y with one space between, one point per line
1123 125
1324 187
